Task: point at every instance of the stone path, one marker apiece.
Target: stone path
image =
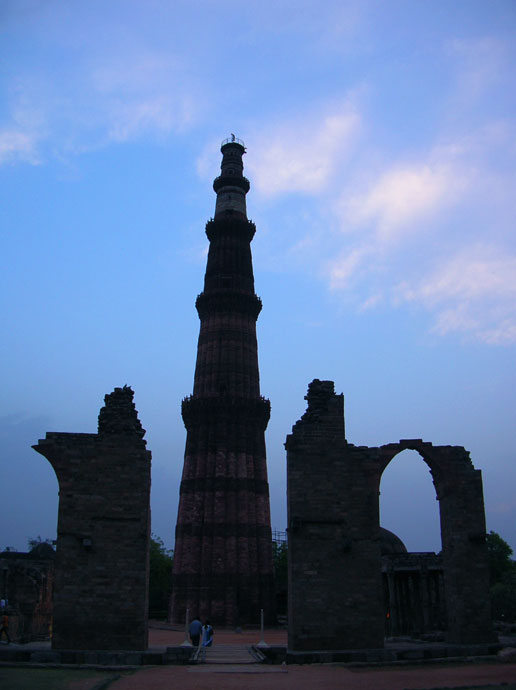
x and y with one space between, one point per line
231 675
252 676
238 668
318 677
227 654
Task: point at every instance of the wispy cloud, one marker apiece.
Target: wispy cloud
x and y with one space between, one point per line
480 65
161 115
89 105
143 94
344 268
301 153
473 293
451 203
17 145
403 196
377 216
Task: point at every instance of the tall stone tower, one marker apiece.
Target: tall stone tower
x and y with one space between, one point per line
223 551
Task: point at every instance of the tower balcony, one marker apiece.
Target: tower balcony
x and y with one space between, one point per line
211 410
229 302
231 181
232 140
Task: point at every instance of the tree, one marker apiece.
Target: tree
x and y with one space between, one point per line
160 577
279 558
36 541
499 556
502 573
280 562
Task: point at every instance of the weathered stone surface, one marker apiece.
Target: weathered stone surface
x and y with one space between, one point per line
335 587
101 573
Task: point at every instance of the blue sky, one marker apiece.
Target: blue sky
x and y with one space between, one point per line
382 158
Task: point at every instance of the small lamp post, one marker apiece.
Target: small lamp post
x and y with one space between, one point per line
187 642
262 642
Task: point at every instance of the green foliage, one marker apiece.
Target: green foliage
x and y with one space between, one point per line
499 555
279 559
160 577
503 599
502 573
36 541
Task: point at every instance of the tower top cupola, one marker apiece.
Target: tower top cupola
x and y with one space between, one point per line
231 186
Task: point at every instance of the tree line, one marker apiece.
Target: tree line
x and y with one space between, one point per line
502 576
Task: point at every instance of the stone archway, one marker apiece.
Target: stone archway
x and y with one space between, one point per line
334 533
459 492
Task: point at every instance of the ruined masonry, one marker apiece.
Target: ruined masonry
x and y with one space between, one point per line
26 582
103 531
335 579
223 548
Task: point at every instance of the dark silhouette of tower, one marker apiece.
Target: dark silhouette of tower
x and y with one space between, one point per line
223 549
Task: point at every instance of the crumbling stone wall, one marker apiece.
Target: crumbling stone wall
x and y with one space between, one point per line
101 575
26 584
335 585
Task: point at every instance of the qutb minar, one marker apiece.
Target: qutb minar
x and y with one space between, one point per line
223 550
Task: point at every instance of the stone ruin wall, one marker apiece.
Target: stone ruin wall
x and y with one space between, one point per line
100 596
335 583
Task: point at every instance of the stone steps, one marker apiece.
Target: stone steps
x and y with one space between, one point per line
227 654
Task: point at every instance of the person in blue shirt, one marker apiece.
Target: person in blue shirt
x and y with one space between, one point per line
207 634
195 631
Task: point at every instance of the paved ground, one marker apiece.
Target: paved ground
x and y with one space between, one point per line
169 638
312 677
316 678
292 677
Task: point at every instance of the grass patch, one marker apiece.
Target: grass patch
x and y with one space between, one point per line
51 678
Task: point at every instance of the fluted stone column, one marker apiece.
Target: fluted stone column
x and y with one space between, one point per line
223 553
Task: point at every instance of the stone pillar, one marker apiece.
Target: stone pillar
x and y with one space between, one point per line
463 531
335 585
393 603
102 557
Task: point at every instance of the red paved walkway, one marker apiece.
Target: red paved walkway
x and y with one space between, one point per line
170 638
316 678
309 677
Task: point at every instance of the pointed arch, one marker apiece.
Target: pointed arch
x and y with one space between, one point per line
408 502
461 508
